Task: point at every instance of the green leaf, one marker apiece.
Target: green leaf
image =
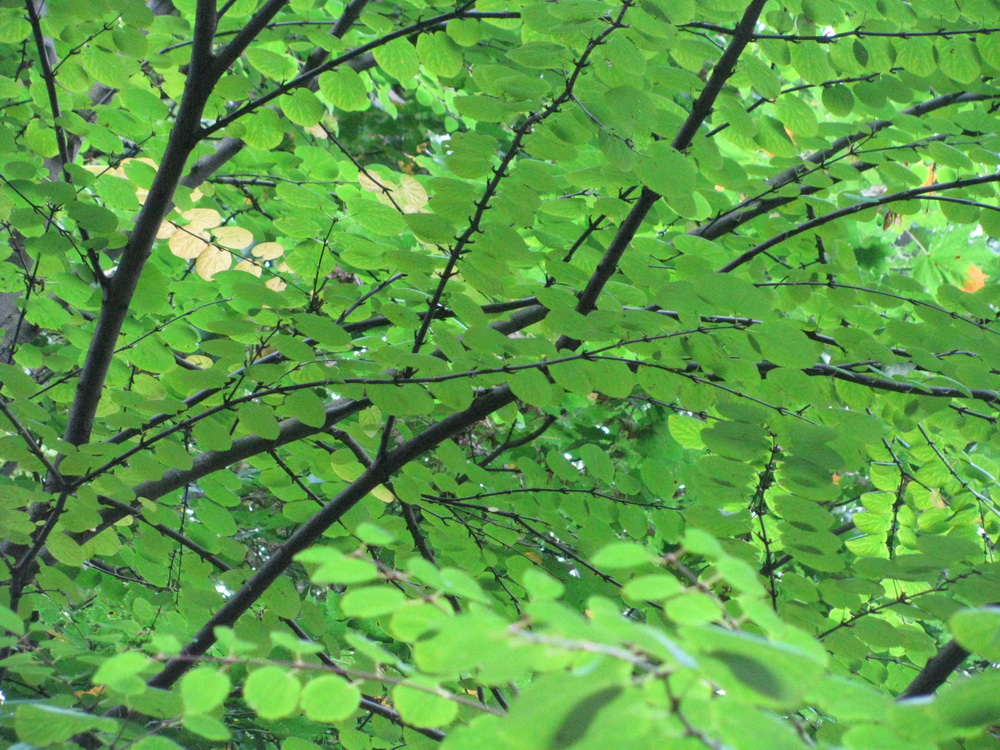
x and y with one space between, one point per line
273 692
978 630
532 386
335 567
43 725
262 129
666 170
203 690
439 54
302 107
621 555
431 228
371 601
329 699
399 59
345 89
423 709
957 59
971 703
122 672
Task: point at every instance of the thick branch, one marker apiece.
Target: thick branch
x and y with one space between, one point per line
312 530
936 671
228 54
700 111
702 108
118 295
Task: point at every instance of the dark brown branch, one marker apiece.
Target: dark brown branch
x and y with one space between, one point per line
936 671
347 18
118 294
756 206
304 78
50 87
858 33
311 530
819 221
724 68
228 54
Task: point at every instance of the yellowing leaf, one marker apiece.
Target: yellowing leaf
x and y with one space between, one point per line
412 193
166 229
202 218
267 250
937 500
211 261
186 245
383 494
384 190
975 279
199 360
249 267
233 237
275 283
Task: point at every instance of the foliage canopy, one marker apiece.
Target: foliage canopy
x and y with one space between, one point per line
573 374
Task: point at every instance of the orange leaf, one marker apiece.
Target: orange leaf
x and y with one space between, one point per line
931 176
975 279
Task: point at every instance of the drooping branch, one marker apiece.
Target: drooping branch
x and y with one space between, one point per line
858 33
819 221
761 205
304 78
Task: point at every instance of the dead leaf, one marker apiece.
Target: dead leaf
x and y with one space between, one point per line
235 238
267 250
975 279
186 245
249 267
211 261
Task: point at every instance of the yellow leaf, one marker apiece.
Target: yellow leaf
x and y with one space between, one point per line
267 250
937 500
275 284
373 184
183 244
199 360
383 494
413 195
975 279
384 190
249 267
211 261
235 238
166 229
202 218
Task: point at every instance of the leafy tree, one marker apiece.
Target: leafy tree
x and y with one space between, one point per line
575 374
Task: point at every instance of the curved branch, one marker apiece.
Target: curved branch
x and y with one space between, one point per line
756 206
819 221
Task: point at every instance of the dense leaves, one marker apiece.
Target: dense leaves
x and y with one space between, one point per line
570 374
